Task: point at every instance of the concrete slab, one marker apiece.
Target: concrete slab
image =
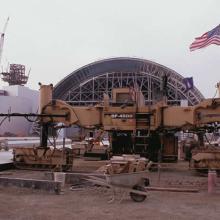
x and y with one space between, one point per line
50 186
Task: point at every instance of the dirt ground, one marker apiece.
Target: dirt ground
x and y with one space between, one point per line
91 202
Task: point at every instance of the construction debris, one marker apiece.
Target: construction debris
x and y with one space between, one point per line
126 164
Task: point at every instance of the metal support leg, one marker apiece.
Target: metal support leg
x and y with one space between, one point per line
44 135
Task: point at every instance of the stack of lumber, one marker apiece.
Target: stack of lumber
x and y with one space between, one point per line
126 164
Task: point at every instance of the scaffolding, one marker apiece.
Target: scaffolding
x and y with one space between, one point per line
15 75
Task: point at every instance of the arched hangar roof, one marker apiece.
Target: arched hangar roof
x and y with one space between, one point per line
88 83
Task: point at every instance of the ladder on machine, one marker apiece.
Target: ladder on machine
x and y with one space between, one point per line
141 133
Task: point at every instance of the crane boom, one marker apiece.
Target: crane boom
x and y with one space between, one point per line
2 38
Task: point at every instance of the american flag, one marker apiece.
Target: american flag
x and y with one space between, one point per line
210 37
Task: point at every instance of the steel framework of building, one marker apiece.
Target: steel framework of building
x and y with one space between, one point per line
88 84
15 75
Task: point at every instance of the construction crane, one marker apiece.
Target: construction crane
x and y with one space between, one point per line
16 73
2 38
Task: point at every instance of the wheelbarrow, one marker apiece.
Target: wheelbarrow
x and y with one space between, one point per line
132 183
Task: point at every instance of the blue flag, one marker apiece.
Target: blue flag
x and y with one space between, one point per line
188 81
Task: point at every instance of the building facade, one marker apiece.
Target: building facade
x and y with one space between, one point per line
17 99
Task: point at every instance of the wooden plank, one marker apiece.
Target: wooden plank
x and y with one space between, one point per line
110 169
171 189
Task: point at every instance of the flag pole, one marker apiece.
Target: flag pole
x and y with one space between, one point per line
218 87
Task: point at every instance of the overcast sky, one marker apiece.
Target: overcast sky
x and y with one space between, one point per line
55 37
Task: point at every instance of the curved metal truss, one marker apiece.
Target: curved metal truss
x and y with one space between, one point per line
88 84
